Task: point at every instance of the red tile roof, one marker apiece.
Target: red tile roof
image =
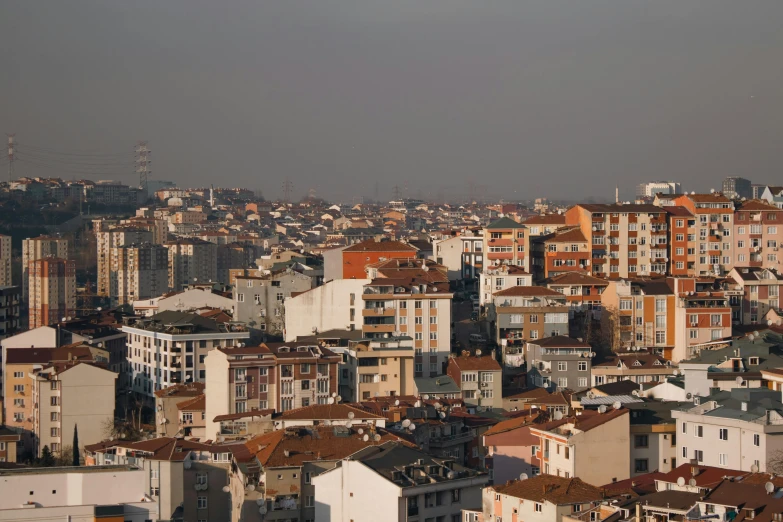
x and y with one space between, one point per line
528 291
549 488
380 246
467 363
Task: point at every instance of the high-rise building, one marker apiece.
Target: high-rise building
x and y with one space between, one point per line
109 240
5 261
734 187
650 189
39 248
52 287
191 261
138 271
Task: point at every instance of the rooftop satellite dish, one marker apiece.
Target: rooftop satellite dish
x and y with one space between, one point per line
681 481
754 468
692 482
360 431
756 333
334 394
348 423
376 437
412 427
739 381
769 322
417 404
327 423
523 476
406 423
617 405
426 397
442 414
330 400
635 393
478 353
351 415
338 398
602 409
591 395
689 396
451 475
365 438
750 337
249 488
676 372
770 487
397 402
558 415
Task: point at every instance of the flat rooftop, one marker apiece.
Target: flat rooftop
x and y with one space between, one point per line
66 469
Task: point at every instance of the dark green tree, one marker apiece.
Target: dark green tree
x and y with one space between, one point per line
47 459
76 460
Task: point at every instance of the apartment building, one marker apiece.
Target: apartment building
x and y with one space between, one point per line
463 255
193 297
653 437
158 227
703 314
642 312
170 347
191 260
710 238
167 401
737 429
759 293
52 290
544 224
682 240
528 313
385 367
39 248
544 498
773 195
563 251
625 240
735 187
107 242
274 376
559 362
506 243
594 446
335 305
581 290
481 380
356 257
5 261
137 271
636 365
651 188
393 482
758 234
412 305
71 396
259 302
9 311
501 277
105 493
512 448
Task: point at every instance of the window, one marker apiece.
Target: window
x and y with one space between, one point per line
307 477
18 388
241 298
685 452
698 430
18 375
539 507
641 441
756 439
562 366
723 459
515 318
625 304
201 502
582 366
309 501
640 466
582 382
723 434
455 495
698 455
201 477
55 432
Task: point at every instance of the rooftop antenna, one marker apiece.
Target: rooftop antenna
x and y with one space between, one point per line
11 158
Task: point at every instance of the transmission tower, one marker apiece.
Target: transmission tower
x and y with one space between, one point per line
143 164
288 186
11 156
397 193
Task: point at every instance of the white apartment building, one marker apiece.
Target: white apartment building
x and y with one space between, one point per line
739 429
335 305
501 277
392 482
170 347
462 255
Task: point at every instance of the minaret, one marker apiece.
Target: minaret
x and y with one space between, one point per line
617 194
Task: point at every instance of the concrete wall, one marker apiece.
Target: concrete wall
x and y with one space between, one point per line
216 391
603 453
326 307
87 396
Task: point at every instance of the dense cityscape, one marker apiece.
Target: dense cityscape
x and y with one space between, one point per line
206 354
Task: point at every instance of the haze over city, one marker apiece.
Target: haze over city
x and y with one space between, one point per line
562 99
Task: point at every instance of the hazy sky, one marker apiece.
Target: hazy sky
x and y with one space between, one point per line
527 98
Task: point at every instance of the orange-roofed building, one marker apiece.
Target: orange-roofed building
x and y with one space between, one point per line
356 257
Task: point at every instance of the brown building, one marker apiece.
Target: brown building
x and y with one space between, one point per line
52 287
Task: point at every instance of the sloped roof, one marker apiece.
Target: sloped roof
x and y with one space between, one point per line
380 246
467 363
528 291
503 223
552 489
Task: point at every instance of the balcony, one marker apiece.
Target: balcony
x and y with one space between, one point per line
379 328
378 312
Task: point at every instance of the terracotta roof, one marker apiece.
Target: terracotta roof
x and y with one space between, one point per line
531 394
707 476
467 363
577 278
194 404
715 197
588 420
190 389
618 208
640 484
569 236
243 415
328 411
549 488
530 417
531 291
546 219
678 211
380 246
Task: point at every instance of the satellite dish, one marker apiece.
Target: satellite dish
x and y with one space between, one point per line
676 372
397 402
602 409
338 398
160 408
330 400
360 431
681 481
523 476
692 482
451 475
769 322
617 405
591 395
558 415
376 437
635 393
351 415
327 423
750 337
406 423
334 394
366 438
739 381
417 404
770 487
754 468
689 396
442 415
412 427
426 397
756 333
250 487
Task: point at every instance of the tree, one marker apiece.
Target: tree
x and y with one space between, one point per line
775 463
76 459
47 459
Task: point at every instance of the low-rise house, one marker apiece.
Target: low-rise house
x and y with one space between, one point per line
393 482
480 379
653 437
511 447
582 291
636 366
259 301
496 278
594 445
9 440
166 406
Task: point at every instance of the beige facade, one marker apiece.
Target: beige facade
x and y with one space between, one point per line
39 248
52 287
74 396
138 271
385 368
107 242
191 261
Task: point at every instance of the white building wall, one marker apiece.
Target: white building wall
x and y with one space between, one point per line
326 307
355 492
216 391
